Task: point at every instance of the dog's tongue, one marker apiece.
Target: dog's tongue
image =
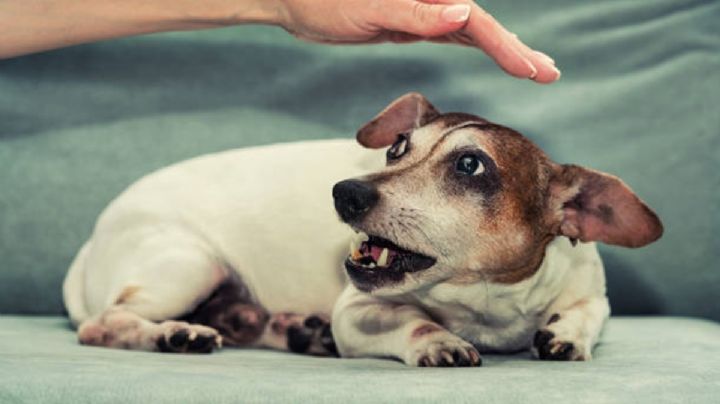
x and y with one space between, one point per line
376 251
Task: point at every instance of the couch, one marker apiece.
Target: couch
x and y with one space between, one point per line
638 98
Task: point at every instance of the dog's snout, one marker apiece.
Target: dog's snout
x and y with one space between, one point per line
353 198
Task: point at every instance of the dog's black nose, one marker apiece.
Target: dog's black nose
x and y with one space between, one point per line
354 198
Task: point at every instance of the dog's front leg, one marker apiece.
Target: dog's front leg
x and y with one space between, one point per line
366 326
570 333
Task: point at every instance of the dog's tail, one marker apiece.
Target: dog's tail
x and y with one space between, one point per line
74 288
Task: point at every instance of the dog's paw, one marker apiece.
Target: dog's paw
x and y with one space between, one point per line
301 334
181 337
240 324
443 349
548 346
312 336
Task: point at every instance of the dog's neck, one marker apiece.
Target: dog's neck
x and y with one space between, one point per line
512 273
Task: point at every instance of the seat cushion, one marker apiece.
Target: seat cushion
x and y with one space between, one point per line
652 360
638 98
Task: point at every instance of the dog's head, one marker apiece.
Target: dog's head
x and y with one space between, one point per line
463 199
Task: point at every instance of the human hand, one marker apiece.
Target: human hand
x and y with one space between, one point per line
448 21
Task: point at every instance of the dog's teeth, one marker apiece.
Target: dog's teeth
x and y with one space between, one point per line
382 261
355 244
354 251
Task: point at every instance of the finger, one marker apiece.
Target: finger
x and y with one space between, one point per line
490 36
547 72
459 38
511 54
402 37
422 19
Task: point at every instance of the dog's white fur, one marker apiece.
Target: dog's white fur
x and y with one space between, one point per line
495 317
491 316
267 213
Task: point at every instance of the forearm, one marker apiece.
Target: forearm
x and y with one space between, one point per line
28 26
365 326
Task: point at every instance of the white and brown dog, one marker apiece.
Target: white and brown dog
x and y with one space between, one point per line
464 242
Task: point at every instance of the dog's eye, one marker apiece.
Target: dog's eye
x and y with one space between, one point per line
469 164
398 148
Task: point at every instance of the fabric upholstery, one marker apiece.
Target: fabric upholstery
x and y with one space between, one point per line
639 360
638 98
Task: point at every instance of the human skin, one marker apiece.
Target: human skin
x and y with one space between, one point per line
29 26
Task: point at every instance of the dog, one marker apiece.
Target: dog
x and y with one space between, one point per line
464 238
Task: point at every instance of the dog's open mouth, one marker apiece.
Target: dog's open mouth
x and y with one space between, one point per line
374 259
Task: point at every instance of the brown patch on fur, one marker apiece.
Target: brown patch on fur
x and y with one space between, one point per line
590 189
602 208
126 294
525 173
605 213
232 311
554 318
515 221
281 322
450 119
514 208
529 263
424 330
402 115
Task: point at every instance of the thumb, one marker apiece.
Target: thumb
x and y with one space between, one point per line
422 19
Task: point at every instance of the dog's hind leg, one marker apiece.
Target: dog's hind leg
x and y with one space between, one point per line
141 314
181 299
233 312
120 328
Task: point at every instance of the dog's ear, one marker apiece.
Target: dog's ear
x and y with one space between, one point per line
406 113
594 206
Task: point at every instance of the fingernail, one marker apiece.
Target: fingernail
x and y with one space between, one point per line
456 13
546 57
533 70
558 73
556 78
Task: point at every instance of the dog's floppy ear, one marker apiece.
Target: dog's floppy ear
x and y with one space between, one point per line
406 113
594 206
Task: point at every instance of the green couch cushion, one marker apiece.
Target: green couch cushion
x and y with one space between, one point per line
638 98
639 360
